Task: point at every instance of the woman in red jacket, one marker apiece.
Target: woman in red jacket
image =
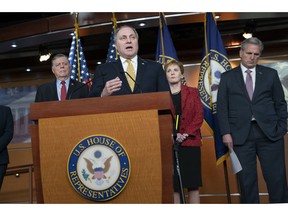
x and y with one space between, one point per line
188 112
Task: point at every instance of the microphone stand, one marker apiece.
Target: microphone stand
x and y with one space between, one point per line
136 83
81 86
176 146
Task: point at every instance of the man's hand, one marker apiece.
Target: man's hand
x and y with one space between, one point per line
228 141
111 86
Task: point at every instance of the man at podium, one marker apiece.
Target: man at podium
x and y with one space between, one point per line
62 87
130 74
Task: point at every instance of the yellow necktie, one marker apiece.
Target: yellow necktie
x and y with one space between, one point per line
131 72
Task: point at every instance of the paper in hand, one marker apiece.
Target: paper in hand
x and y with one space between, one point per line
235 163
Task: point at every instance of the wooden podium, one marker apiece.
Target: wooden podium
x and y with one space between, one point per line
142 123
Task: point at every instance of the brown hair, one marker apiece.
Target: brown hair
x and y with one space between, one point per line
171 62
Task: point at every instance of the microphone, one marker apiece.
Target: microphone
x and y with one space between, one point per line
136 83
85 84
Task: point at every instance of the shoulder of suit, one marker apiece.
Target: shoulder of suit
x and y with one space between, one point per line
5 108
230 72
46 85
149 61
108 64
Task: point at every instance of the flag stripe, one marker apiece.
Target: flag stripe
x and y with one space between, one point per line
112 52
79 69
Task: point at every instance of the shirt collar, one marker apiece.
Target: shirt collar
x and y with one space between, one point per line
133 60
243 68
67 81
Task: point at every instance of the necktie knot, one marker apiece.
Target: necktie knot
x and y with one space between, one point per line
248 71
63 82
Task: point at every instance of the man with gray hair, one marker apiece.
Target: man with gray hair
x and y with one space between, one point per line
252 115
62 87
130 74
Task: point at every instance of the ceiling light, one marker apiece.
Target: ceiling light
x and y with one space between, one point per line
14 45
142 24
44 57
44 53
247 35
249 29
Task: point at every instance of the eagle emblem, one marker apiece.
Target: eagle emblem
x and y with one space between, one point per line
99 168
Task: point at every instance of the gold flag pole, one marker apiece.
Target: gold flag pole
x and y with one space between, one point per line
114 21
77 45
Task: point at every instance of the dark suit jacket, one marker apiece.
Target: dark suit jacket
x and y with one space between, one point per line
192 115
48 91
268 106
6 132
150 78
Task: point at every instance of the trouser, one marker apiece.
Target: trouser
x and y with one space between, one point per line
272 160
3 168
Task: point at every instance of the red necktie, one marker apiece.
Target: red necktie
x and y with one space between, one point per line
63 91
249 84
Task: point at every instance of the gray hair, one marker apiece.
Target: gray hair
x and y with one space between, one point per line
56 57
125 26
252 40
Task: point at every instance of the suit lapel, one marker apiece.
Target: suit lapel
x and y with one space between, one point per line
140 70
72 86
241 82
119 70
54 91
118 67
259 80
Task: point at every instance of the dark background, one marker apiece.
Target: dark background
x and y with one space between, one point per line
30 31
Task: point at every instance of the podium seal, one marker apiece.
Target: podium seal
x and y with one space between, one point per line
98 168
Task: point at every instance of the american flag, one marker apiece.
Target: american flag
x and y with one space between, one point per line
84 73
112 53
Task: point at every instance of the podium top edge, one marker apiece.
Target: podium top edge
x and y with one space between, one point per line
97 105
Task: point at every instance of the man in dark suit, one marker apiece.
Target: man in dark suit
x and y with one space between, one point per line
252 115
53 91
6 135
113 78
